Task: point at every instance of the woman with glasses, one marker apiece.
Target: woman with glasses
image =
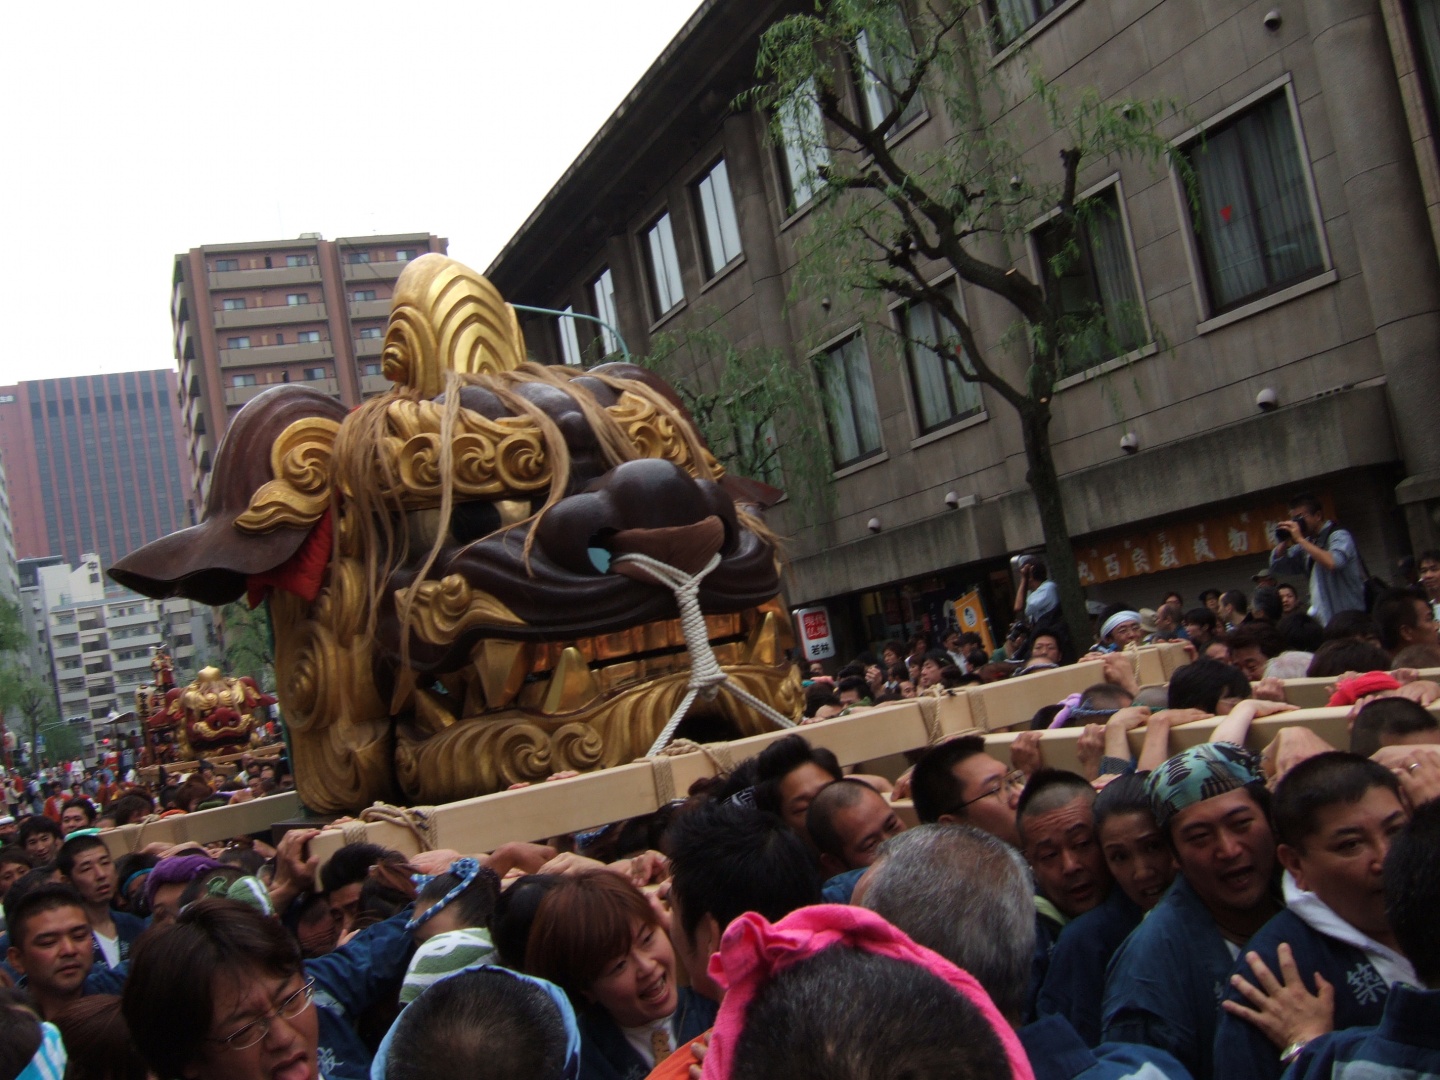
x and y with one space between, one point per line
221 993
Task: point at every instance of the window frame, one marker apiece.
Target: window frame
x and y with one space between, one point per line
1038 270
293 262
652 271
226 266
357 258
307 337
363 296
818 359
239 341
898 310
709 257
371 333
233 303
864 83
1210 317
313 374
243 379
791 203
604 308
569 334
296 299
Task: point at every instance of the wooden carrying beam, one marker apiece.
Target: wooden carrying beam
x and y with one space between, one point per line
225 764
599 798
205 826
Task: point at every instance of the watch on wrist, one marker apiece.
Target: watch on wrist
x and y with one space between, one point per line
1291 1052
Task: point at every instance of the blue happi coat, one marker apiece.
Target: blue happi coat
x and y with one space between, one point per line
1074 987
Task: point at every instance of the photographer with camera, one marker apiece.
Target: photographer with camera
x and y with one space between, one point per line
1311 544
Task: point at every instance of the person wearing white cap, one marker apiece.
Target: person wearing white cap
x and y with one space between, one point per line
1119 630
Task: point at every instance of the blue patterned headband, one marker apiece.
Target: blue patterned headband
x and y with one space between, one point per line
49 1061
467 870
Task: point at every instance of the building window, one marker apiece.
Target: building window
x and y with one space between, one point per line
405 255
850 410
884 68
308 337
237 343
1095 281
295 299
242 380
314 374
357 258
223 266
603 291
363 294
803 149
942 395
667 290
1011 18
370 333
236 304
569 339
371 369
279 339
717 215
1255 224
297 260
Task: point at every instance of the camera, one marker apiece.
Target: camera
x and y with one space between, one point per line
1281 535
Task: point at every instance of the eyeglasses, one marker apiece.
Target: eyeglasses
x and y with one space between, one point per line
256 1030
1013 779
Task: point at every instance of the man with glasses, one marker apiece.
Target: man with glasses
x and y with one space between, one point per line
957 781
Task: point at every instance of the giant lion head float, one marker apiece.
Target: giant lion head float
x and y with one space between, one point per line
450 608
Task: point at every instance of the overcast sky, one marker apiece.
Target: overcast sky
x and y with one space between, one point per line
134 132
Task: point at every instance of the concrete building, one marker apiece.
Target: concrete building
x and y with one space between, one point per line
248 316
9 565
94 463
101 638
1339 319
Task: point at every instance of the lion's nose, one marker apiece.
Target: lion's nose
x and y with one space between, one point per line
650 507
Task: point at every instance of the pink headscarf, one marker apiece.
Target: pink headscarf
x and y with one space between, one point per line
753 951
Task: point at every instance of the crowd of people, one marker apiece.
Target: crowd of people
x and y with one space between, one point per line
1159 911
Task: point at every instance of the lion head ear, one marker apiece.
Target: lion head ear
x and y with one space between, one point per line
300 462
445 317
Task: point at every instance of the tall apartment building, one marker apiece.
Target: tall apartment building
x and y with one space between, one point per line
94 463
101 638
681 215
9 564
309 310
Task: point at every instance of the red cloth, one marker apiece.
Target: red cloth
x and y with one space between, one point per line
753 951
302 573
1352 690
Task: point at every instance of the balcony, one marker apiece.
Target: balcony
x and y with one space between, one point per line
252 279
374 271
374 384
368 347
370 309
270 315
239 395
139 663
276 354
144 616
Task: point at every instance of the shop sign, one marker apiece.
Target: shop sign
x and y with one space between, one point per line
1226 536
815 636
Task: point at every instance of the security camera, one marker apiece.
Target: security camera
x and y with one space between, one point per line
1272 19
1130 443
1015 182
1267 400
873 524
952 499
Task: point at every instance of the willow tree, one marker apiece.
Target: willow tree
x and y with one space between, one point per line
843 84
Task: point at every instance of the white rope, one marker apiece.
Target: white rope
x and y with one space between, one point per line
707 677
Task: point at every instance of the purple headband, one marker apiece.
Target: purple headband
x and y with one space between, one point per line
178 869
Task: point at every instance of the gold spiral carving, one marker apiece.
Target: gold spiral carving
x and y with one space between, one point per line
442 610
300 462
655 434
445 317
576 746
488 457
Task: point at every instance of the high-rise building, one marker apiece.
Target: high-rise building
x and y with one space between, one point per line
101 639
9 567
94 463
309 310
